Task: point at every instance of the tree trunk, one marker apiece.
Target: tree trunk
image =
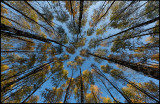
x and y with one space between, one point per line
13 21
26 16
67 90
72 14
149 71
119 13
125 96
26 34
80 15
132 36
82 98
94 96
40 15
36 89
104 14
139 88
109 91
20 51
25 76
142 24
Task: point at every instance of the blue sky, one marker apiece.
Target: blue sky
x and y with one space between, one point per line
131 74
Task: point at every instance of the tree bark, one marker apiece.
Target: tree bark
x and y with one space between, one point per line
40 68
94 96
120 13
36 89
133 36
125 96
142 24
80 16
109 91
149 71
13 21
104 14
26 34
40 15
82 98
139 88
67 90
26 16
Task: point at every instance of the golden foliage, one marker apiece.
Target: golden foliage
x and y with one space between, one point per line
4 67
155 57
70 50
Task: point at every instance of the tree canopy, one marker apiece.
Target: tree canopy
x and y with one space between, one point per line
80 51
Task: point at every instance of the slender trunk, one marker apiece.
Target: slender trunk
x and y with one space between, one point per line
67 90
13 21
149 71
21 51
40 15
82 98
104 14
12 94
72 14
16 37
132 36
143 47
36 89
135 9
55 90
17 74
109 91
80 15
94 96
142 24
101 9
40 68
26 16
139 88
26 34
125 96
146 13
120 13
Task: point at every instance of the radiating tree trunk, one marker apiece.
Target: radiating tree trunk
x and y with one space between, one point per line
135 9
104 14
9 91
72 14
40 15
80 14
124 95
139 88
68 88
132 36
82 98
26 34
22 51
26 16
36 89
55 91
139 25
101 9
149 71
94 96
40 68
146 13
12 94
13 21
109 91
120 13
